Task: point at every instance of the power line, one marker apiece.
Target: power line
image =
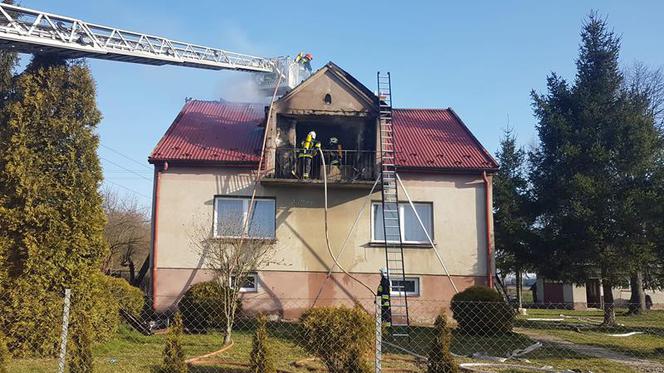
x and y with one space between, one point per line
126 169
128 189
125 156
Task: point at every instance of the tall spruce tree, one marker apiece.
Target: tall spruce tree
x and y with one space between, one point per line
589 169
50 208
512 219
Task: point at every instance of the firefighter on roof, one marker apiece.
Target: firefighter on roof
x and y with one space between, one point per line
307 153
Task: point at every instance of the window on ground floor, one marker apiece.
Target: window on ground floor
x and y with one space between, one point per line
231 214
411 230
249 285
411 286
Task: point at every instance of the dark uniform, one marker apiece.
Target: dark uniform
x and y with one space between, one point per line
307 153
384 293
336 152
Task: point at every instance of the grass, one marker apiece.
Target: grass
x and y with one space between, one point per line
132 352
649 345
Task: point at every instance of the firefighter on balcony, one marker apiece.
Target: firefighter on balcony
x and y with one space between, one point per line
307 153
334 159
384 294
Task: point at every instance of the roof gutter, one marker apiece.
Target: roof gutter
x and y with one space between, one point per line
487 221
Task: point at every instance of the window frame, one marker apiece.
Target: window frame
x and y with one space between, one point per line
416 293
402 205
242 289
245 207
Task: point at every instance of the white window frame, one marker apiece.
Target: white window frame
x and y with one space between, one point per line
415 280
402 214
245 213
242 289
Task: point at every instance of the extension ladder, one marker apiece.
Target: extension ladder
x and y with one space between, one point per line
390 208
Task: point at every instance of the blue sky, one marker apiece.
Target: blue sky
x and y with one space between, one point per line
481 58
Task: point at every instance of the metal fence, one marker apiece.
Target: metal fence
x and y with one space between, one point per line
483 337
343 165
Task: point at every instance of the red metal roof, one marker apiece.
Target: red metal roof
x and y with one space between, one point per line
213 131
226 132
437 138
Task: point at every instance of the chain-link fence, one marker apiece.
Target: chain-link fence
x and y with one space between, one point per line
480 336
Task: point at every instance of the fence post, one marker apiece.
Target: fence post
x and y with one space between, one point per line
65 328
379 334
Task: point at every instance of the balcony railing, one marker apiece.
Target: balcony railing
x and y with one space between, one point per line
342 165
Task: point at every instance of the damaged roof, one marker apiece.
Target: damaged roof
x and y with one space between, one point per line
222 132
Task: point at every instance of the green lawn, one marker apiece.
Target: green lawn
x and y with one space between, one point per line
131 352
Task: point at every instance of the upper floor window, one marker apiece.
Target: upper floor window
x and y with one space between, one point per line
231 217
411 230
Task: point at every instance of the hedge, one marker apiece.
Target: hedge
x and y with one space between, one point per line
481 310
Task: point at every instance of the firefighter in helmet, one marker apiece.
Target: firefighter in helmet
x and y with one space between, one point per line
307 152
304 60
336 151
384 294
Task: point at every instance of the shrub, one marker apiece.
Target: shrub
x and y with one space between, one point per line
80 358
174 361
440 359
4 354
481 310
261 356
339 336
129 298
202 306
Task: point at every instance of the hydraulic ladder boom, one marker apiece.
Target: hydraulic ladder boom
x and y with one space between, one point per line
32 31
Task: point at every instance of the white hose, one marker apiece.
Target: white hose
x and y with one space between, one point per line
327 236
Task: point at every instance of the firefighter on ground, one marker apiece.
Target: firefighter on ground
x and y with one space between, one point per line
336 153
307 153
384 294
304 60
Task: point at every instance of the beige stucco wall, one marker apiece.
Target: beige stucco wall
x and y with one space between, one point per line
186 200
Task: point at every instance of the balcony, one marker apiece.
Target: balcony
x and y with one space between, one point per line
346 168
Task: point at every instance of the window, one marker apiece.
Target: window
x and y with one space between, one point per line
411 286
411 230
250 284
230 217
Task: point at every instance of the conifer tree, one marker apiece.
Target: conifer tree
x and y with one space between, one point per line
50 207
589 170
440 359
261 359
80 346
512 218
174 361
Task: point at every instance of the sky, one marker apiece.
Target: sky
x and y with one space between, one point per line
482 58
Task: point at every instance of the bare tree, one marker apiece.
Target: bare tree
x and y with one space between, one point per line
127 232
648 83
232 250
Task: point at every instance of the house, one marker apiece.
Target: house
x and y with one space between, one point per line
587 295
204 169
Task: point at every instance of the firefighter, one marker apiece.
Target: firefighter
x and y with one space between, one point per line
307 153
304 60
384 294
336 151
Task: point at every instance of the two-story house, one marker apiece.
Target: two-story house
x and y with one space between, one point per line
205 168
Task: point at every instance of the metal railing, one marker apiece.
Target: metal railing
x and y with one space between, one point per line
343 165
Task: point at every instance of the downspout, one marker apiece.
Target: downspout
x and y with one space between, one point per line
487 221
155 229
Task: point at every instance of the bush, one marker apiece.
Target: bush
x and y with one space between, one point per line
129 298
440 359
340 336
202 306
4 355
261 359
174 361
481 310
80 346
